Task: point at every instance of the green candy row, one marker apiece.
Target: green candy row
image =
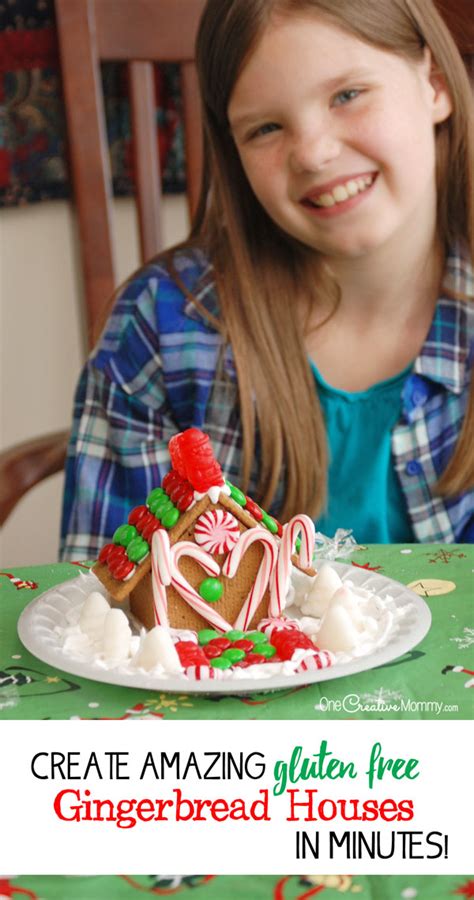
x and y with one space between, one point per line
239 497
209 634
162 507
136 546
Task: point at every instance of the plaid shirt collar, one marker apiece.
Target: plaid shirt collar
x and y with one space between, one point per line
445 356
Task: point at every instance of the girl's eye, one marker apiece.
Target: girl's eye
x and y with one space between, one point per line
344 97
264 129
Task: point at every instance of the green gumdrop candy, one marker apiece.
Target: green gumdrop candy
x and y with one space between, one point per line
211 590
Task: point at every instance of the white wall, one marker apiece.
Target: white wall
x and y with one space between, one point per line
42 348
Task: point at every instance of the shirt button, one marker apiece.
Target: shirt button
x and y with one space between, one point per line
413 467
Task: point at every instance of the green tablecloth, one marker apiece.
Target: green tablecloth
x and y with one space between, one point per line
244 887
440 669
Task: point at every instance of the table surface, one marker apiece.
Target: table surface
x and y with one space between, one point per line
239 887
437 671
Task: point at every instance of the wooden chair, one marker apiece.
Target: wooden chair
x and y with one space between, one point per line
90 32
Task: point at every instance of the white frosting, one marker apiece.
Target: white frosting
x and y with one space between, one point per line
356 622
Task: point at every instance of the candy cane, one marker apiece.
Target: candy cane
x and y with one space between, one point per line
188 593
267 565
297 525
161 574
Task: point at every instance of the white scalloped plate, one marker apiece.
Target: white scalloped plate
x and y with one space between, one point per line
37 624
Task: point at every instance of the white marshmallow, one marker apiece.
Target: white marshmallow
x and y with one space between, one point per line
93 614
157 648
324 586
117 636
346 598
337 630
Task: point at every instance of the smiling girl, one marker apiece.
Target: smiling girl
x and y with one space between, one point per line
318 324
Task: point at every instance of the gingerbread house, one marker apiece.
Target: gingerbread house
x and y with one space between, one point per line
200 553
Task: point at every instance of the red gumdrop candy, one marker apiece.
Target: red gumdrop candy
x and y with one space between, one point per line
286 642
177 461
192 456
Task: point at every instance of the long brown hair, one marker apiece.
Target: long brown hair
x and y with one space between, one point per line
260 270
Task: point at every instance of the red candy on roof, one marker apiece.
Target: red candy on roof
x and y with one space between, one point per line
192 457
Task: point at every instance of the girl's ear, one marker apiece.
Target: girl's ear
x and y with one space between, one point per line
440 98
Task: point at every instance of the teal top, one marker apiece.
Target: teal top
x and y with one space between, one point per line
363 488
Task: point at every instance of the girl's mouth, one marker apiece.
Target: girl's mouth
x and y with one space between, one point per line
341 197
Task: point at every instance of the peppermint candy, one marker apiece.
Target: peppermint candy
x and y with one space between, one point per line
216 531
315 659
268 626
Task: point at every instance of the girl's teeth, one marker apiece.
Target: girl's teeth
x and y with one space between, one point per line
343 191
339 193
326 200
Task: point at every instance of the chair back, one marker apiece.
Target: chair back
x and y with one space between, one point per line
140 33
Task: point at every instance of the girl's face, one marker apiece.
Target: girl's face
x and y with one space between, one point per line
337 137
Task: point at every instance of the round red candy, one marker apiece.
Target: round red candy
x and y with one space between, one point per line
244 644
185 500
105 552
182 495
254 659
222 643
137 515
212 652
149 529
116 554
190 654
170 481
254 510
121 569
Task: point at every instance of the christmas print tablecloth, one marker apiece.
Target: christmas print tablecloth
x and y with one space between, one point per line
438 671
239 887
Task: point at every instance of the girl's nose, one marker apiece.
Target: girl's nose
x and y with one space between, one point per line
311 152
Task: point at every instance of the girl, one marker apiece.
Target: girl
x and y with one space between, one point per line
317 324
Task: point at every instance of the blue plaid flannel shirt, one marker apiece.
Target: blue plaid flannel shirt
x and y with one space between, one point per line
160 367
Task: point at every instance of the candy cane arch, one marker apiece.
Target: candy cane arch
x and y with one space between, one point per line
265 571
188 593
298 525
